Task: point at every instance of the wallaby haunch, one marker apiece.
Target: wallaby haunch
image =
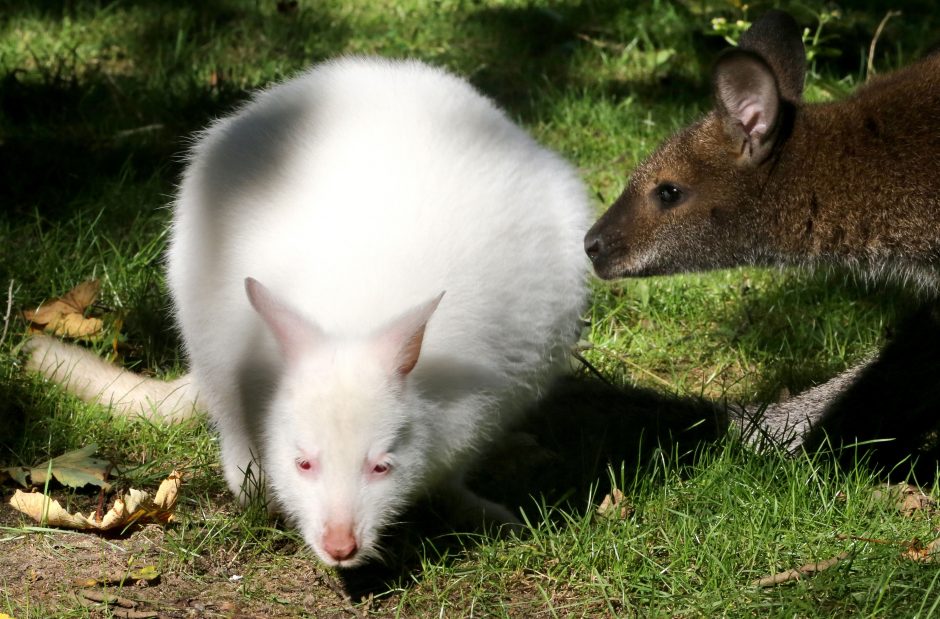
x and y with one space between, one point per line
374 271
764 179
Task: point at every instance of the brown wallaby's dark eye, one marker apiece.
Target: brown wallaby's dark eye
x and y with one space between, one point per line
668 194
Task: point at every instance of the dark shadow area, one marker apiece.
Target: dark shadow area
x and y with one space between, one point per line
562 455
890 416
52 154
559 456
525 54
905 37
59 9
70 129
14 404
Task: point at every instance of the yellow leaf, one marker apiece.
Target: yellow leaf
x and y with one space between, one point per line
135 507
75 326
65 316
138 575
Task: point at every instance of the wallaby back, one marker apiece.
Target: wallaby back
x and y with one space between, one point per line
764 179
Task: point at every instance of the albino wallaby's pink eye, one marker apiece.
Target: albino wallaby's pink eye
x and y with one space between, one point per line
304 465
381 468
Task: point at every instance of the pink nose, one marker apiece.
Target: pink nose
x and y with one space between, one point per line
340 542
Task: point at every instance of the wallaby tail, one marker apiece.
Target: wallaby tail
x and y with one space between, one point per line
86 376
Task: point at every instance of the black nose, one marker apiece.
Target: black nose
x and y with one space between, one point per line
593 246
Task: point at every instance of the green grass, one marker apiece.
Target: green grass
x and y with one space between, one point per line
96 102
693 544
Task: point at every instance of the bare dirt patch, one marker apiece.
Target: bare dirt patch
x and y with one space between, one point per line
50 574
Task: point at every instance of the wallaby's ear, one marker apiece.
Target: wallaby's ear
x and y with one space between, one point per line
399 343
777 38
294 333
748 103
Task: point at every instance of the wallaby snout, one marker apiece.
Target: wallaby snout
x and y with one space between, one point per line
339 541
594 245
597 246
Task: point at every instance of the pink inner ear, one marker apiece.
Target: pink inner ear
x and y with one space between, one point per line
293 333
752 116
399 343
747 90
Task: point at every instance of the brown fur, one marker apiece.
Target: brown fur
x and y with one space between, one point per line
853 183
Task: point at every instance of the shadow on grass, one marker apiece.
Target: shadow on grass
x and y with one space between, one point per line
561 456
525 55
888 421
71 127
807 316
890 416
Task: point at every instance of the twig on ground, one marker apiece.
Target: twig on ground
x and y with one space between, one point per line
856 538
590 367
6 317
870 67
151 128
809 568
602 44
340 591
634 365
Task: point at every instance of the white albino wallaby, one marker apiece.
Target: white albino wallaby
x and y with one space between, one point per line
374 271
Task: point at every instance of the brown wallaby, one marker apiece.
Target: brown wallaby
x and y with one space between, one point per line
765 179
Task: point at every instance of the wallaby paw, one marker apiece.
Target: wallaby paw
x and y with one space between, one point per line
473 511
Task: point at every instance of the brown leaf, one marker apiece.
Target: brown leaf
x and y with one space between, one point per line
614 506
136 507
908 498
65 316
924 553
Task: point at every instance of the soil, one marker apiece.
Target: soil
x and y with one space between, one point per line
46 573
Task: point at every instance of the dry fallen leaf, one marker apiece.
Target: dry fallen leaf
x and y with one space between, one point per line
925 553
908 498
74 469
136 507
614 506
65 316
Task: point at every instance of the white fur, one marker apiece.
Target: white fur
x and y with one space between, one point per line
354 193
127 394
